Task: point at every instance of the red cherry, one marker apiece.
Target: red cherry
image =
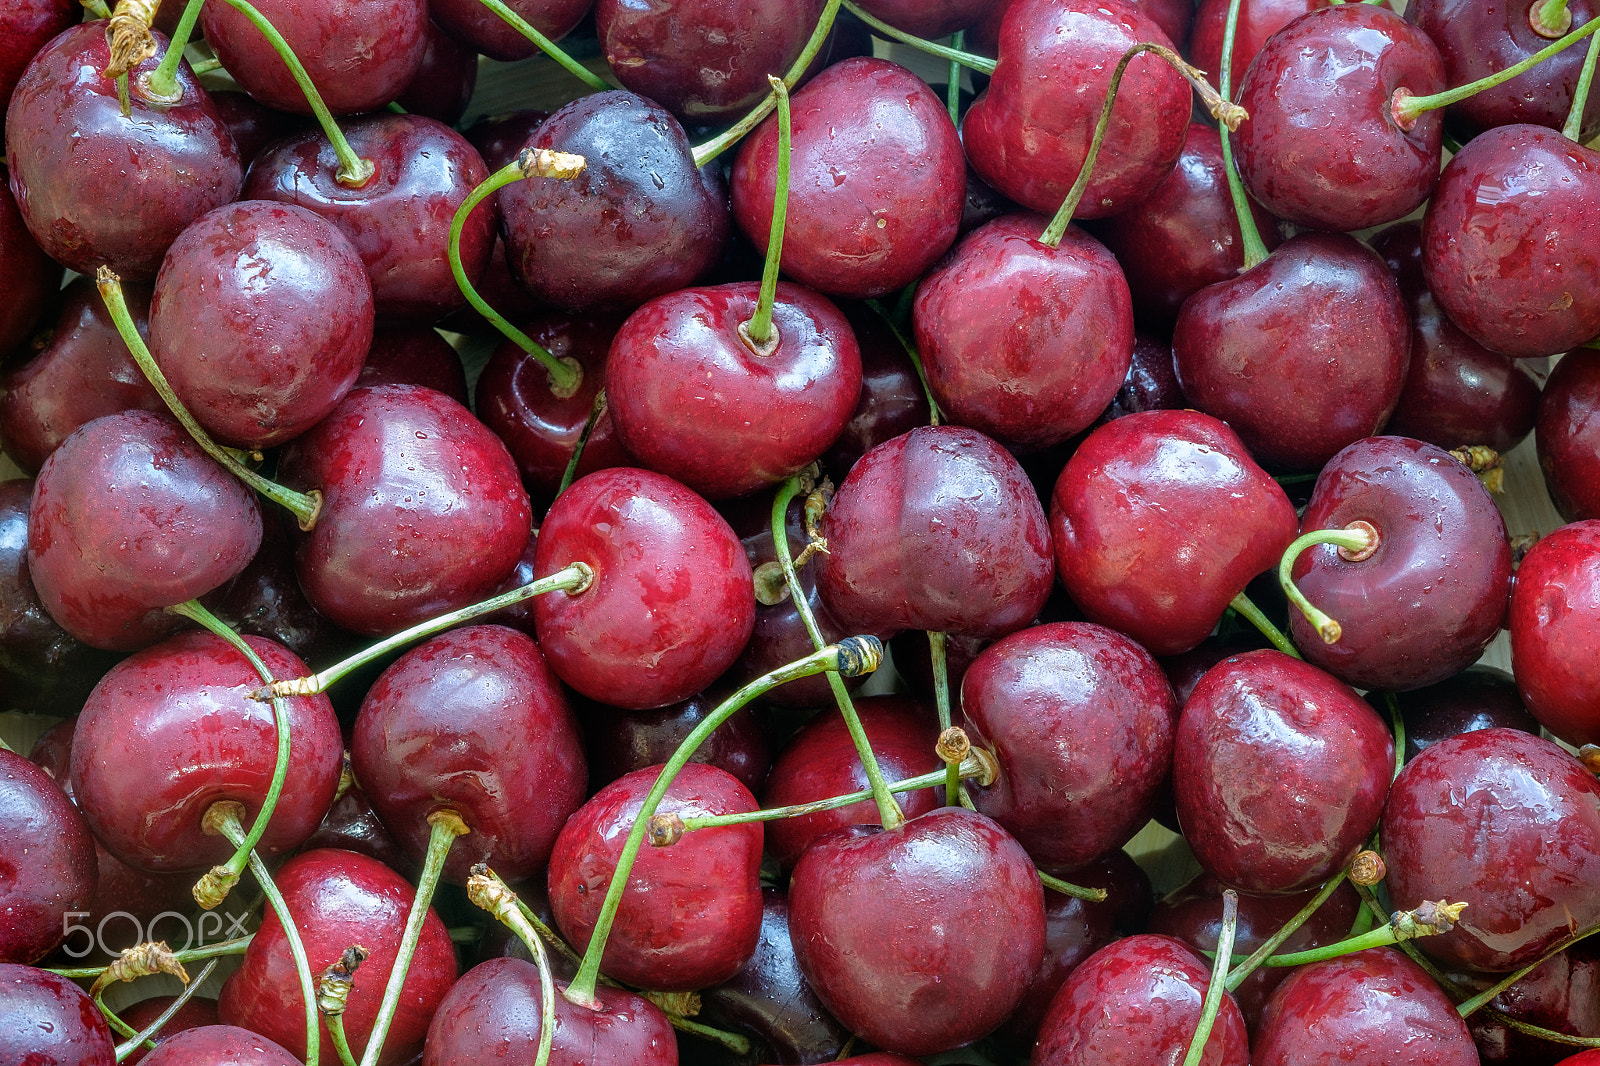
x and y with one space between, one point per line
48 854
1554 620
48 1019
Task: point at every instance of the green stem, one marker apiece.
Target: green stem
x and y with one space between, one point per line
143 1038
1406 108
1573 129
550 935
1428 919
574 579
1067 888
547 46
123 1029
205 66
935 416
303 505
1541 1033
889 813
341 1045
1245 606
486 890
970 768
758 333
1397 722
235 946
966 59
570 474
1219 977
1249 966
940 660
1356 542
1255 249
1468 1007
445 826
855 655
735 1043
1551 19
952 89
708 151
162 83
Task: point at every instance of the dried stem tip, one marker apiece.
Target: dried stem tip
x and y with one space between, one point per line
486 890
141 960
333 991
953 745
543 163
131 40
664 830
1428 919
1367 868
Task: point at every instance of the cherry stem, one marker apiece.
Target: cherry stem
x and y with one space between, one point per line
1428 919
445 826
889 813
1550 18
758 333
1230 115
982 64
708 151
952 89
935 416
223 818
1356 542
336 1037
1406 109
562 947
547 46
1397 722
215 885
236 946
1067 888
1255 249
574 579
162 83
1573 128
570 474
735 1043
1245 606
303 505
941 702
487 890
1238 973
1468 1007
565 374
144 1036
1219 976
852 656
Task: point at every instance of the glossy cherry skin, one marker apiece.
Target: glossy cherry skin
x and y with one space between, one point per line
1160 519
47 856
360 54
1021 341
173 729
1481 697
567 241
218 1044
1568 436
129 517
1155 979
693 400
1457 391
1173 16
1337 69
475 25
619 742
1029 132
1368 1008
29 26
691 914
1511 241
671 605
1302 355
445 79
414 355
876 180
1557 995
48 1020
936 529
706 60
1184 235
69 148
922 938
253 125
929 18
1432 595
1533 877
1152 381
30 277
399 221
339 898
494 1013
472 721
1080 720
261 320
821 761
194 1014
1554 617
1258 21
1280 772
422 510
1477 39
892 398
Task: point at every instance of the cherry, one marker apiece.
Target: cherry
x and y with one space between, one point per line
47 856
929 18
414 355
48 1020
253 125
340 898
472 23
398 221
29 26
352 825
1553 619
620 742
692 916
1532 881
1511 241
671 605
194 1014
69 149
30 276
1568 436
892 398
1152 381
1481 697
445 79
219 1044
913 660
921 938
1258 21
1557 995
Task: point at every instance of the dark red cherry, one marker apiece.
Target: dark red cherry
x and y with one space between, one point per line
1173 16
399 221
130 517
1568 436
30 277
1152 381
929 18
414 355
445 79
500 138
1021 341
340 898
47 856
28 26
219 1044
1534 877
352 825
913 660
620 742
261 319
1557 995
1159 520
96 188
1554 621
1511 241
173 729
254 125
1481 697
1258 21
422 510
360 54
1029 132
193 1014
672 603
691 914
922 938
49 1020
1302 354
876 185
1280 772
892 398
484 31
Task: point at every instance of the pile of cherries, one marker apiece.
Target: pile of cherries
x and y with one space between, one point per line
1052 376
